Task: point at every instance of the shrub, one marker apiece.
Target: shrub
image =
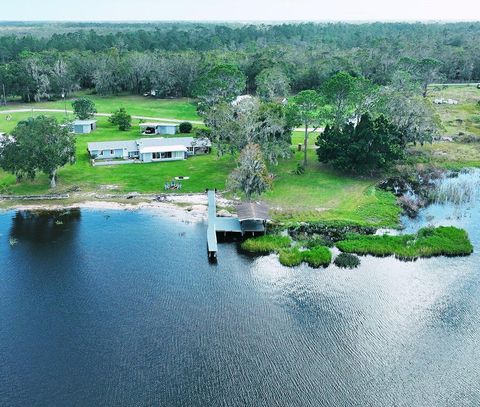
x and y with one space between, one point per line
121 119
318 256
299 169
185 127
291 257
347 260
428 242
266 244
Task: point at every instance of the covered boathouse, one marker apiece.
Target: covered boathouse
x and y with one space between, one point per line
252 218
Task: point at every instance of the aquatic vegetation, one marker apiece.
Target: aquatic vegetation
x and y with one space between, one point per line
318 256
428 242
291 257
13 241
459 190
347 260
266 244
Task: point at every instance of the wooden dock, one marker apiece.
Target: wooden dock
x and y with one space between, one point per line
228 225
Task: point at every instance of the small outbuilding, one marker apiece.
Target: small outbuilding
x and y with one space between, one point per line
84 126
253 217
158 128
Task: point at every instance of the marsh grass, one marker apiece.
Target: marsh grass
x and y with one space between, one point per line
460 190
428 242
266 244
290 257
316 257
319 256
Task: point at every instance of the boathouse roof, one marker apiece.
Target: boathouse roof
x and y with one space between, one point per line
252 211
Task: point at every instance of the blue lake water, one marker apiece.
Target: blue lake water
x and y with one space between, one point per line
114 308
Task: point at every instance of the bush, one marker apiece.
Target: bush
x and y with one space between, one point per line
299 169
185 127
291 257
266 244
347 260
428 242
121 119
318 256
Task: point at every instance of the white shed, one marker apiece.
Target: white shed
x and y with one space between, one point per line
158 128
84 126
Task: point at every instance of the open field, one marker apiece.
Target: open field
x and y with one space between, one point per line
463 117
179 109
461 122
204 171
319 194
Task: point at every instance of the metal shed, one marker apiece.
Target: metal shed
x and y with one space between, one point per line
84 126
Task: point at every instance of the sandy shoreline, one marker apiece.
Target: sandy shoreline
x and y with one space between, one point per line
186 207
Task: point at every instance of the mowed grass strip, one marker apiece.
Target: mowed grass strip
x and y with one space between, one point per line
428 242
178 109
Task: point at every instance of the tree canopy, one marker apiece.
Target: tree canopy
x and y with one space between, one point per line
368 147
37 144
84 108
251 175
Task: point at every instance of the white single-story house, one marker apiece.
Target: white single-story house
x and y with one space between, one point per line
158 128
84 126
149 149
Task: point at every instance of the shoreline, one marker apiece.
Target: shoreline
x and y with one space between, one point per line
186 207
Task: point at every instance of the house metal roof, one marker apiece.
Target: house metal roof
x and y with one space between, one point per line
174 141
129 145
153 124
252 211
83 122
161 149
152 144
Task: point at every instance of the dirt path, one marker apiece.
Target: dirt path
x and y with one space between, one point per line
159 119
163 119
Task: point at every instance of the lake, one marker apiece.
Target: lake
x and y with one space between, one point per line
111 308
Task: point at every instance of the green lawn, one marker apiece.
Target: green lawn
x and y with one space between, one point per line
322 194
204 171
180 109
319 194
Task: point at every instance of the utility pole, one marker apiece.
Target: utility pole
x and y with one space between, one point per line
64 101
4 95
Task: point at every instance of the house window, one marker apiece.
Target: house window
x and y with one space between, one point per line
156 156
168 154
101 152
112 152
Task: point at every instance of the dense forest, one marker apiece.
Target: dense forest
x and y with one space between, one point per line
171 57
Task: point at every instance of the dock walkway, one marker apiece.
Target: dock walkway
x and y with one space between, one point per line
226 225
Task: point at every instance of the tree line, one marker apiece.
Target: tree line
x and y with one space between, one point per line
171 58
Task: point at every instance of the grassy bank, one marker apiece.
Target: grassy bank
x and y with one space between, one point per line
428 242
179 109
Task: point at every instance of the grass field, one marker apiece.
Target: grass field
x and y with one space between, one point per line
180 109
319 194
463 117
461 122
204 171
